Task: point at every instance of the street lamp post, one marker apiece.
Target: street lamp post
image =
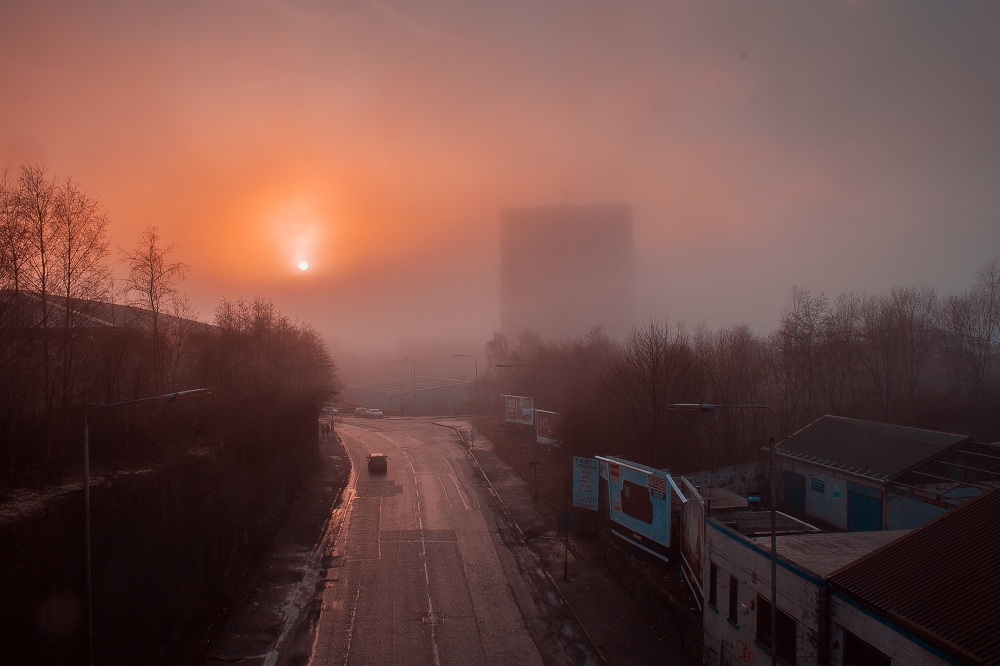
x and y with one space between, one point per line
708 407
166 397
410 358
475 360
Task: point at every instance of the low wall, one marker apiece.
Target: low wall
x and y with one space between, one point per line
170 546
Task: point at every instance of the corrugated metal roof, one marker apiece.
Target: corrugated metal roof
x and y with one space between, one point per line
753 522
876 450
940 582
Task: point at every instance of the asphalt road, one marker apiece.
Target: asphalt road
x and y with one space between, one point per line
426 569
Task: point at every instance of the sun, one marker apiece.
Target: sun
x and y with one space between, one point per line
303 265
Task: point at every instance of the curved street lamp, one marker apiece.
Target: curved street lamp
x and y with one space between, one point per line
414 360
709 407
476 361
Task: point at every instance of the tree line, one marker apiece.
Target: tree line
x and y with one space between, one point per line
72 337
910 357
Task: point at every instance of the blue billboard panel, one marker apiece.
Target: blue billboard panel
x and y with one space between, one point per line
639 504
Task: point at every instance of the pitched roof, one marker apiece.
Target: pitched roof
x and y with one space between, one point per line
940 581
875 450
82 313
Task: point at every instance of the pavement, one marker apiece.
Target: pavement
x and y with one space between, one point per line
271 623
622 632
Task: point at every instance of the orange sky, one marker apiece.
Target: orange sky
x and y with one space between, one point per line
836 146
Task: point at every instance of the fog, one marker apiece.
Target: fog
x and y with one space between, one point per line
837 146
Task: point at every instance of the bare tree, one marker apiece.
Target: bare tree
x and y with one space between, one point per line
972 330
36 204
898 335
17 390
270 368
15 236
80 270
652 370
918 314
841 358
881 351
801 343
153 284
734 363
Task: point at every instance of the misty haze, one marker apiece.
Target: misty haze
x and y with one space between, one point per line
556 333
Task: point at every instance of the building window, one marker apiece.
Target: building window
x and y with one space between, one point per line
786 631
859 653
734 600
713 585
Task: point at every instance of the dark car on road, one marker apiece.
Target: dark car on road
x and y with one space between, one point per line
377 462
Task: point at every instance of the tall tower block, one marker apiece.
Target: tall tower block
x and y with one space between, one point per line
565 269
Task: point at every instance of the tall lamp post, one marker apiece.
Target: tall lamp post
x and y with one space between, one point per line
410 358
534 418
475 359
166 397
708 407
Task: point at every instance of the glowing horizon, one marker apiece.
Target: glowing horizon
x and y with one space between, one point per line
380 145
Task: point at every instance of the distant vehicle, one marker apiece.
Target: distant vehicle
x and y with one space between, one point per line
377 462
360 411
375 413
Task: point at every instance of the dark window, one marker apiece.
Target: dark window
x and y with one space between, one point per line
786 630
713 585
734 599
859 653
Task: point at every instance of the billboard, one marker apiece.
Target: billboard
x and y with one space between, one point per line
518 409
585 483
692 538
545 432
639 504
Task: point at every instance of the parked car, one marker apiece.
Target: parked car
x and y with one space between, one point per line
360 411
377 463
375 413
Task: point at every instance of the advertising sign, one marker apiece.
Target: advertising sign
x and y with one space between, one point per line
640 505
546 430
692 538
585 482
518 409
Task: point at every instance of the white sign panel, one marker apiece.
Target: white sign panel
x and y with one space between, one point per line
519 409
546 428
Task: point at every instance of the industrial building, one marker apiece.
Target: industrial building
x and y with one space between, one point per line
885 544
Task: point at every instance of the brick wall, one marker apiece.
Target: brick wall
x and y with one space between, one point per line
799 595
884 637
